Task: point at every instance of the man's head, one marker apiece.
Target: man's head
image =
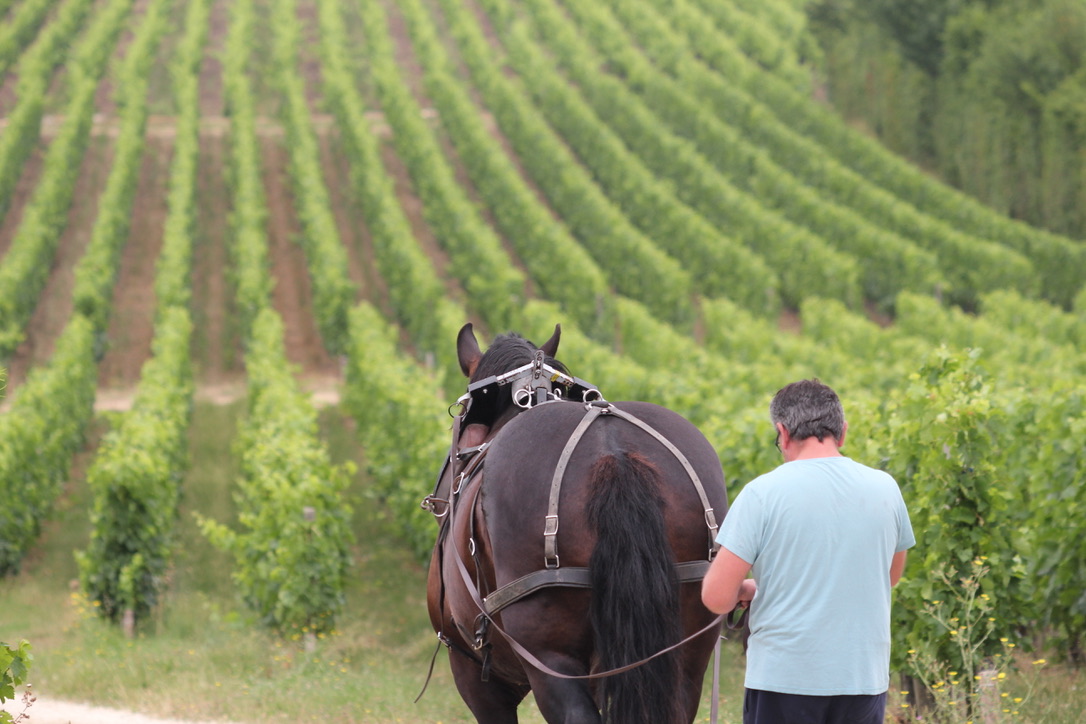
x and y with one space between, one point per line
808 408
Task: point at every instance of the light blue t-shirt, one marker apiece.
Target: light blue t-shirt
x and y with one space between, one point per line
821 534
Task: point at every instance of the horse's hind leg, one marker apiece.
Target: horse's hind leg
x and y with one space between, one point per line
563 701
491 702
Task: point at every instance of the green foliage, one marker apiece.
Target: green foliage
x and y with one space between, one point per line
943 444
561 268
635 266
825 271
135 478
719 265
249 249
402 421
28 261
1057 511
39 434
333 291
986 93
916 25
476 255
34 71
970 686
292 548
416 294
15 661
97 268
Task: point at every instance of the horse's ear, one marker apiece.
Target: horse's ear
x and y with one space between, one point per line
550 347
467 350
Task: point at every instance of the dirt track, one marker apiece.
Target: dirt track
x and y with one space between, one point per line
47 711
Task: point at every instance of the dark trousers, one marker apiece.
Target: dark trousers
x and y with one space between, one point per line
771 707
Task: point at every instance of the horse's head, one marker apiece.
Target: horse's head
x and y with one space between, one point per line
502 379
505 354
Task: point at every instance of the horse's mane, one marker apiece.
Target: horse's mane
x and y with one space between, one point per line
507 352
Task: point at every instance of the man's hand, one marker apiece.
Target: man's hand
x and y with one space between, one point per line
747 589
726 583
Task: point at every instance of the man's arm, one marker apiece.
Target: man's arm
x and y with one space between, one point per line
897 567
726 584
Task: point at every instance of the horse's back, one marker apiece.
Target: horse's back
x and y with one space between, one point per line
520 474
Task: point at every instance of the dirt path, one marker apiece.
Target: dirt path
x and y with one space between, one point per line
51 711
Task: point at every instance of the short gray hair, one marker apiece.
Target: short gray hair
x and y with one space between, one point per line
808 408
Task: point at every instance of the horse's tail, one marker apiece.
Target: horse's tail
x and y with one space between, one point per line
635 594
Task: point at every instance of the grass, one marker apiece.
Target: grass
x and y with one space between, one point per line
204 657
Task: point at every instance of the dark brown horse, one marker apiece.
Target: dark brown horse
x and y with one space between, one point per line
565 519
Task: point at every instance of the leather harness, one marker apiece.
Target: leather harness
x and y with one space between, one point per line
535 386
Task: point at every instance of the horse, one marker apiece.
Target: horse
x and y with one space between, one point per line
600 617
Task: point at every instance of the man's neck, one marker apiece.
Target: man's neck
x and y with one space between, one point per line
811 448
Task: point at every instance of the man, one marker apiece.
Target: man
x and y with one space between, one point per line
825 538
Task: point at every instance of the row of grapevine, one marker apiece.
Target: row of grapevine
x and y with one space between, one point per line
48 416
333 291
816 267
26 265
401 419
765 45
136 473
19 29
892 263
782 18
35 70
925 318
416 294
476 256
1060 261
635 266
896 262
1032 318
92 294
568 273
292 544
39 433
619 319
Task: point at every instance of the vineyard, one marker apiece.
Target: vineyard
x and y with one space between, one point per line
264 200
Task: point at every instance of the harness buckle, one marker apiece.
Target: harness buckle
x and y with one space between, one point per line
550 527
550 545
429 504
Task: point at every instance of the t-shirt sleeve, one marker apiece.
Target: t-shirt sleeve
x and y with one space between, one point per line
905 537
741 530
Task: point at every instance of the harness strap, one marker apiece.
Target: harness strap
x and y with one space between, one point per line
594 410
535 662
710 515
550 527
570 577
